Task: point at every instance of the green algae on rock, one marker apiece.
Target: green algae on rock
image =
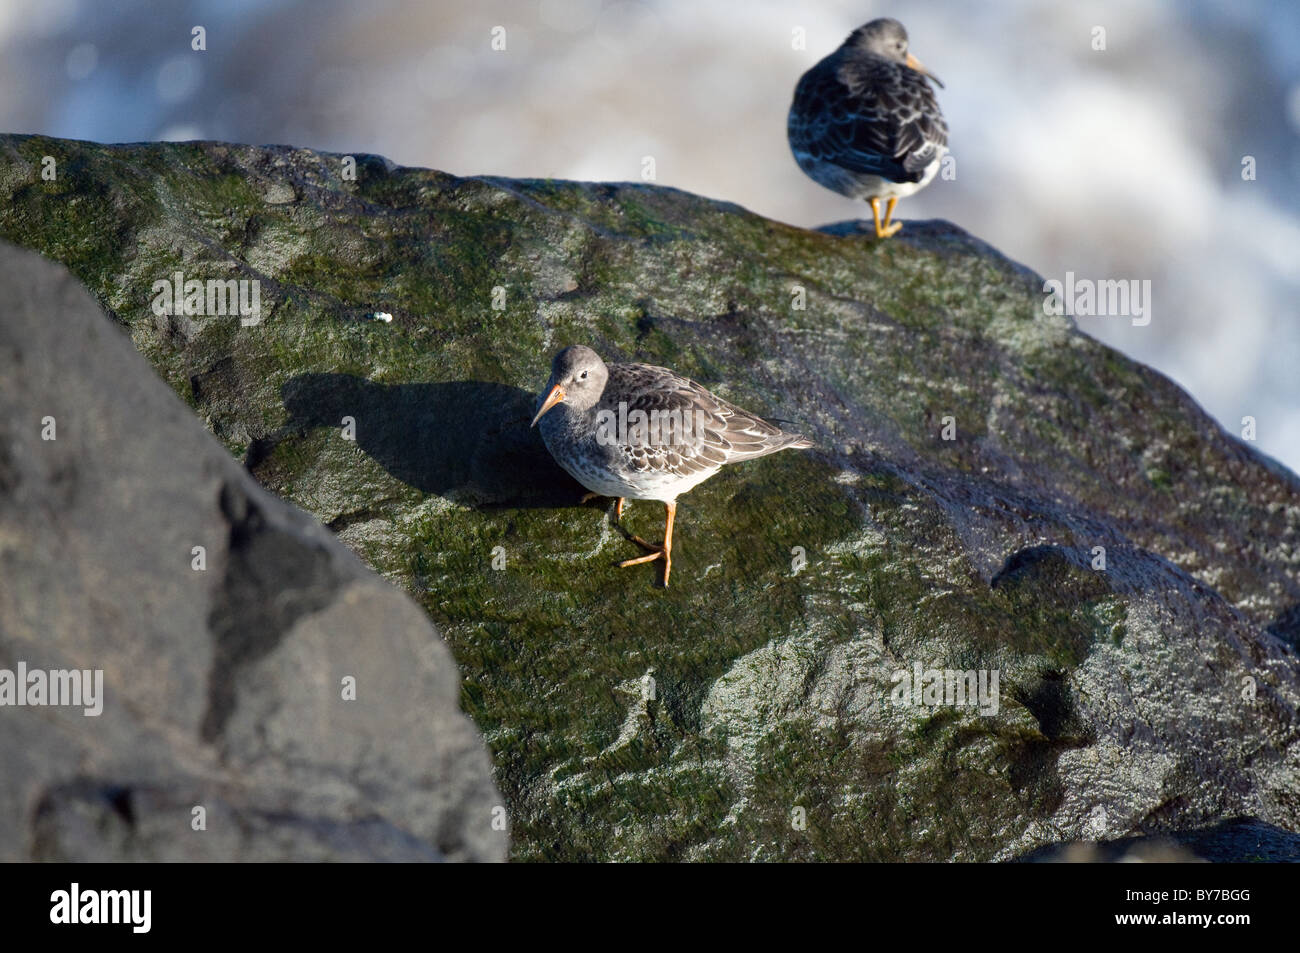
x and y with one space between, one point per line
745 713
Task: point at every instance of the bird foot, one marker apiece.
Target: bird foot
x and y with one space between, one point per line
652 547
887 231
657 552
664 552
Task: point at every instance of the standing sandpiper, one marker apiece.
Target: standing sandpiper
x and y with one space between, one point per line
864 121
639 432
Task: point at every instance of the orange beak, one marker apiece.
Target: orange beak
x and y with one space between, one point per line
554 397
917 65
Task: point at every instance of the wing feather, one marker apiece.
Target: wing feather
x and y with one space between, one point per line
869 116
717 432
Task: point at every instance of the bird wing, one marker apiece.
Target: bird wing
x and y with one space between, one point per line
716 432
868 115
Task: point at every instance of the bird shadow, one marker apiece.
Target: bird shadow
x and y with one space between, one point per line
467 438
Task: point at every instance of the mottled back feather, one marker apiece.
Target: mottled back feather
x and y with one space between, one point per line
868 115
729 433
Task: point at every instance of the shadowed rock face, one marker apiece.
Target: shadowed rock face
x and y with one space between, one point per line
1236 840
222 677
746 712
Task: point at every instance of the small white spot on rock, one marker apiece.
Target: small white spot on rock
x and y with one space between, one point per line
280 193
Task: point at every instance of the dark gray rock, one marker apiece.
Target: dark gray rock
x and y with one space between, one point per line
1236 841
223 687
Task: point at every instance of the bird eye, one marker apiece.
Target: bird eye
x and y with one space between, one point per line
582 376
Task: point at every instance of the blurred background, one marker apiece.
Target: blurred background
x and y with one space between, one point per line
1122 162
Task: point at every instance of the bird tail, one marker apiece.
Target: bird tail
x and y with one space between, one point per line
785 439
789 439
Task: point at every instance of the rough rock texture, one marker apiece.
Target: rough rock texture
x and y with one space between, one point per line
1157 695
222 681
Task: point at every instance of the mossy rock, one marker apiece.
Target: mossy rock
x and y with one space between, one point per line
745 712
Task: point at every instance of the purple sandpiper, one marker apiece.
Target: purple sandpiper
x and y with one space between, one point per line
865 123
640 432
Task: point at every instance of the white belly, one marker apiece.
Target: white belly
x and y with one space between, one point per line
664 487
857 185
873 186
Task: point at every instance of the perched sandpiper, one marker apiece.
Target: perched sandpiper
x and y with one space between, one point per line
640 432
865 123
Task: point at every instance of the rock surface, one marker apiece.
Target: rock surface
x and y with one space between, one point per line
746 712
223 670
1242 839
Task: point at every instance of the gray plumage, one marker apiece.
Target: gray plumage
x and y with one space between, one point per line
864 122
643 467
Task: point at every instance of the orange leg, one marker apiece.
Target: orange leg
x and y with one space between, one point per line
885 230
889 214
664 552
618 507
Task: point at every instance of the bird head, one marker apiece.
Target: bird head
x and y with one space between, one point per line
886 38
578 377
